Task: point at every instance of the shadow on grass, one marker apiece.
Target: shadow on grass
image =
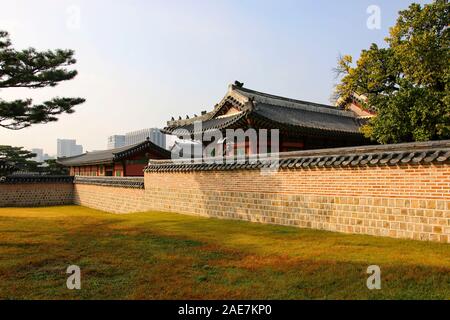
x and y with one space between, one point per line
167 256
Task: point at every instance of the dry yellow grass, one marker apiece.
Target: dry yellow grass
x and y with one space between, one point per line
169 256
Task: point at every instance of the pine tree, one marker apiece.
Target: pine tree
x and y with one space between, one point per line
14 159
32 69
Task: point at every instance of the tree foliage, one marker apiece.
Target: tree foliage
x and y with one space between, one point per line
16 159
51 167
32 69
407 82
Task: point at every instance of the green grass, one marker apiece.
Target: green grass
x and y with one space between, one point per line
169 256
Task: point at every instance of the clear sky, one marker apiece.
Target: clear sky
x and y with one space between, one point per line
142 62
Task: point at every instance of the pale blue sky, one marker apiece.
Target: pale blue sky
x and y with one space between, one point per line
142 62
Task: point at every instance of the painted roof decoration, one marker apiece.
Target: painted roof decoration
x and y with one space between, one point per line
113 155
241 105
437 152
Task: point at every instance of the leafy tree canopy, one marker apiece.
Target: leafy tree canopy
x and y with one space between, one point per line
33 69
407 82
51 167
16 159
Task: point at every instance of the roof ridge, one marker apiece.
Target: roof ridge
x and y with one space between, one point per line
244 97
295 103
110 155
273 96
71 157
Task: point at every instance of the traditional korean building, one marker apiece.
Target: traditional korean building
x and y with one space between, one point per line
127 161
302 125
356 104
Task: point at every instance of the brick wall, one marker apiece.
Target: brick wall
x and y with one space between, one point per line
113 199
383 191
403 202
397 201
36 194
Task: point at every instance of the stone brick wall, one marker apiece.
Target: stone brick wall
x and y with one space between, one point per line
401 192
113 199
36 194
403 202
111 194
407 201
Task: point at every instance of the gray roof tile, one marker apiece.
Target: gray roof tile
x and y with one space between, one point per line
109 156
276 110
380 155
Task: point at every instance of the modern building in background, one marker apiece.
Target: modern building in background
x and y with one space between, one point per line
116 141
48 157
39 154
154 134
68 148
128 161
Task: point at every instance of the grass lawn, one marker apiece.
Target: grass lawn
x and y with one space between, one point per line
169 256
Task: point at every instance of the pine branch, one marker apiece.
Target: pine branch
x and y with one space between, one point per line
33 69
20 114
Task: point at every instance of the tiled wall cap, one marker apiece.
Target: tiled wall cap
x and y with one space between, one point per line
385 155
123 182
16 179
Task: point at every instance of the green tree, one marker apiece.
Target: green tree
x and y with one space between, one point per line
16 159
53 168
30 68
407 82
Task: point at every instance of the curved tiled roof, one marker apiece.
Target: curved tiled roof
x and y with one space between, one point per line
216 123
109 156
303 118
275 100
276 111
395 154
